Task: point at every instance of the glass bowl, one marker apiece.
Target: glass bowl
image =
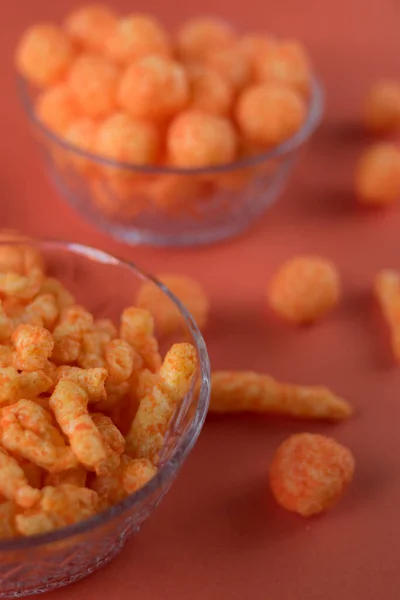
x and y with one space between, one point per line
30 565
163 206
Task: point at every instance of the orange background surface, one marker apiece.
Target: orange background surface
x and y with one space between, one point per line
219 534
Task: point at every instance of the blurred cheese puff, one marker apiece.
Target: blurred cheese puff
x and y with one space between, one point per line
166 315
247 391
44 54
198 139
199 37
233 65
287 63
209 91
270 113
93 81
304 289
154 87
387 293
382 107
309 473
90 26
136 36
56 108
377 177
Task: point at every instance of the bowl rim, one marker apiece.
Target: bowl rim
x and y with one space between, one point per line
314 114
184 444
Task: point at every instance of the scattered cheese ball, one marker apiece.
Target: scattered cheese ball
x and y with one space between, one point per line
90 26
166 315
287 63
304 289
233 65
154 87
270 113
209 91
136 36
199 37
93 81
309 473
56 108
198 139
63 451
44 54
377 177
122 138
382 107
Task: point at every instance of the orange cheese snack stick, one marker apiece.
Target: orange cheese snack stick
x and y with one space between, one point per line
377 176
309 473
135 36
92 81
131 475
166 315
382 107
269 113
304 289
387 293
27 430
76 476
69 405
113 440
92 381
33 346
58 507
137 328
247 391
198 139
153 87
90 26
199 37
74 322
146 435
44 54
13 482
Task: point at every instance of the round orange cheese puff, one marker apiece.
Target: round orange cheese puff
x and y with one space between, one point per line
118 197
44 54
124 139
254 46
309 473
382 107
176 193
90 26
232 64
198 37
287 63
93 82
154 87
135 36
198 139
377 177
56 108
81 134
209 91
270 113
304 289
167 317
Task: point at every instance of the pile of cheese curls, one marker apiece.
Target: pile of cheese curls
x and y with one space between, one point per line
85 405
125 89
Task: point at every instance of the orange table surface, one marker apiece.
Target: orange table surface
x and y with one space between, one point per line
219 534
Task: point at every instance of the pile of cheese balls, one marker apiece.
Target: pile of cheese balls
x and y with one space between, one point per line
125 89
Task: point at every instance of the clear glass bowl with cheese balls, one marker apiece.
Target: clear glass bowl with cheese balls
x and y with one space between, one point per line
166 138
98 411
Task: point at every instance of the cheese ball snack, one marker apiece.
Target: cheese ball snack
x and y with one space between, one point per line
387 293
90 26
309 473
57 109
247 391
285 62
382 107
209 90
304 289
198 37
377 176
135 36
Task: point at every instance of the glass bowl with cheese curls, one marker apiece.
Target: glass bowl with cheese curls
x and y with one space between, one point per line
97 411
